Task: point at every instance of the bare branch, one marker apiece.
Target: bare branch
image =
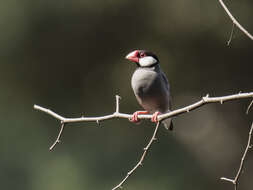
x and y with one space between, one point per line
117 114
203 101
235 181
153 138
235 21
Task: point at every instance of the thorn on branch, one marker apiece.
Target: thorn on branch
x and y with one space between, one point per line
98 123
205 98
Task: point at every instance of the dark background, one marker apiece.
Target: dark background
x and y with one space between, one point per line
69 56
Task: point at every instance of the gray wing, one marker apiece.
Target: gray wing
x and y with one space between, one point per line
165 80
168 124
167 86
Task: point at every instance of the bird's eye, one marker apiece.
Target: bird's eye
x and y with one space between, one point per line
142 54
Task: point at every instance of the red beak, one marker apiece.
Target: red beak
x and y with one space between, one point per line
133 56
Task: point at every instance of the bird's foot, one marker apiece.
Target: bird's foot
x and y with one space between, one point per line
135 118
154 117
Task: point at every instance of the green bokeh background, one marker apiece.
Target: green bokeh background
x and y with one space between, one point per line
69 56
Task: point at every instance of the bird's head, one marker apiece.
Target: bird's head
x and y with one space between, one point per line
143 58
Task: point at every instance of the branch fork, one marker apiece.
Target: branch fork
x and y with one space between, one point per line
235 22
117 114
235 181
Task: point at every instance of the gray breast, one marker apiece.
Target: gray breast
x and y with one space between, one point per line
151 89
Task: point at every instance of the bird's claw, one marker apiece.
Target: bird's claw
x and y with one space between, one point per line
154 117
135 118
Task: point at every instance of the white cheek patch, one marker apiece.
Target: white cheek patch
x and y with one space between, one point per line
147 61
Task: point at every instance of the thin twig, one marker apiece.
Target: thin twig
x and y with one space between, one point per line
231 34
141 159
58 137
235 21
235 181
247 112
117 103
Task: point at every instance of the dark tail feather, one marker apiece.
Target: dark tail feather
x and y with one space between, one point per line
171 126
168 124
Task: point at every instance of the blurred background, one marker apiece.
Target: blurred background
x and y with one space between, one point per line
69 56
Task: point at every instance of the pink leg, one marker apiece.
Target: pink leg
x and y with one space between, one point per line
154 117
134 117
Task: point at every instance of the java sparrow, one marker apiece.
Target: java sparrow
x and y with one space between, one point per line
150 86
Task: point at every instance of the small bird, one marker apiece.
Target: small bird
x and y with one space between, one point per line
150 86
